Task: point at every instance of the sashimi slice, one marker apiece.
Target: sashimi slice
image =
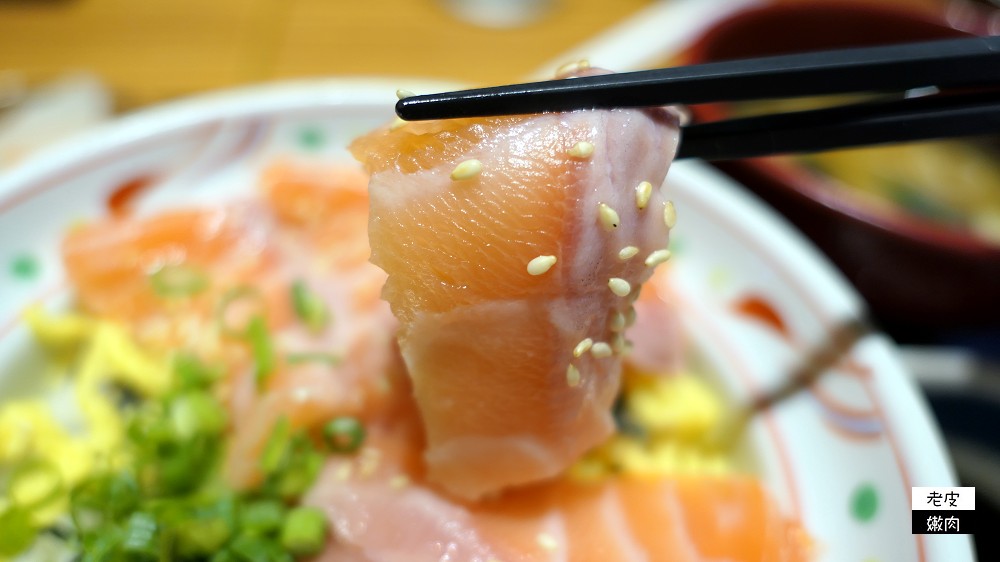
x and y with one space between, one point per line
380 512
499 276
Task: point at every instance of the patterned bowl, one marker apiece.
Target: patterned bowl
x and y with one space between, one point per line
754 294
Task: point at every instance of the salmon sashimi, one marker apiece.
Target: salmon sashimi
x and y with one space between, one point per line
657 343
514 249
378 512
188 279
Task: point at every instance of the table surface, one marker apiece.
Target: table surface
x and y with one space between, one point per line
151 50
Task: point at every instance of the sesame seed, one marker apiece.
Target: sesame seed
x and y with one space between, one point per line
600 350
582 149
643 192
669 214
617 322
657 257
618 343
619 286
403 94
630 317
399 482
547 541
609 217
467 170
541 264
343 472
582 347
627 253
397 123
571 68
572 375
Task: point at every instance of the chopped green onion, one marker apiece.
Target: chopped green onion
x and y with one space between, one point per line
262 516
312 357
196 413
275 455
344 434
243 303
190 372
142 537
178 280
104 546
262 349
304 531
224 556
103 500
253 548
34 484
309 307
18 533
300 474
201 536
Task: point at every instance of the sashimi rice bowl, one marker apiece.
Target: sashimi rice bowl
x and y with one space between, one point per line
275 324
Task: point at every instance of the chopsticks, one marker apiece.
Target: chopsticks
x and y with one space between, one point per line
954 63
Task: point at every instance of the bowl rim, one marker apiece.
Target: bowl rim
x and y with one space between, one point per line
823 190
47 166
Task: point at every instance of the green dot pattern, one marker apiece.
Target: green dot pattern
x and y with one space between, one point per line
864 503
24 267
311 138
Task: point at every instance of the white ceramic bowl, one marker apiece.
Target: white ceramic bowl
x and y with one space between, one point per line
843 456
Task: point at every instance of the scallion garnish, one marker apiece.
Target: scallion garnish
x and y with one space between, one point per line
309 307
196 413
18 533
262 350
304 531
344 434
178 280
190 372
262 516
142 537
275 454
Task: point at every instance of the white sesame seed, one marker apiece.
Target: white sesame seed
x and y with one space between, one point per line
403 94
467 170
541 264
627 253
619 286
669 214
609 217
582 347
617 322
547 541
618 343
630 317
572 375
582 149
643 192
398 123
600 350
343 472
571 68
657 257
399 482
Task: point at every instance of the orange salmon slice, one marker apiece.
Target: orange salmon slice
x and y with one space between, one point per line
514 249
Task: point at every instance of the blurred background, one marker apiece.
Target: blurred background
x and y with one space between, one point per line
917 229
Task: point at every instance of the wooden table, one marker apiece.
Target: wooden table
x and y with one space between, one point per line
150 50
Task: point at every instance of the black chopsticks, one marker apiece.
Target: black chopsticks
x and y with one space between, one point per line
950 64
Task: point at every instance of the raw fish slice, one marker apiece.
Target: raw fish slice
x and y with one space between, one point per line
488 343
380 511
